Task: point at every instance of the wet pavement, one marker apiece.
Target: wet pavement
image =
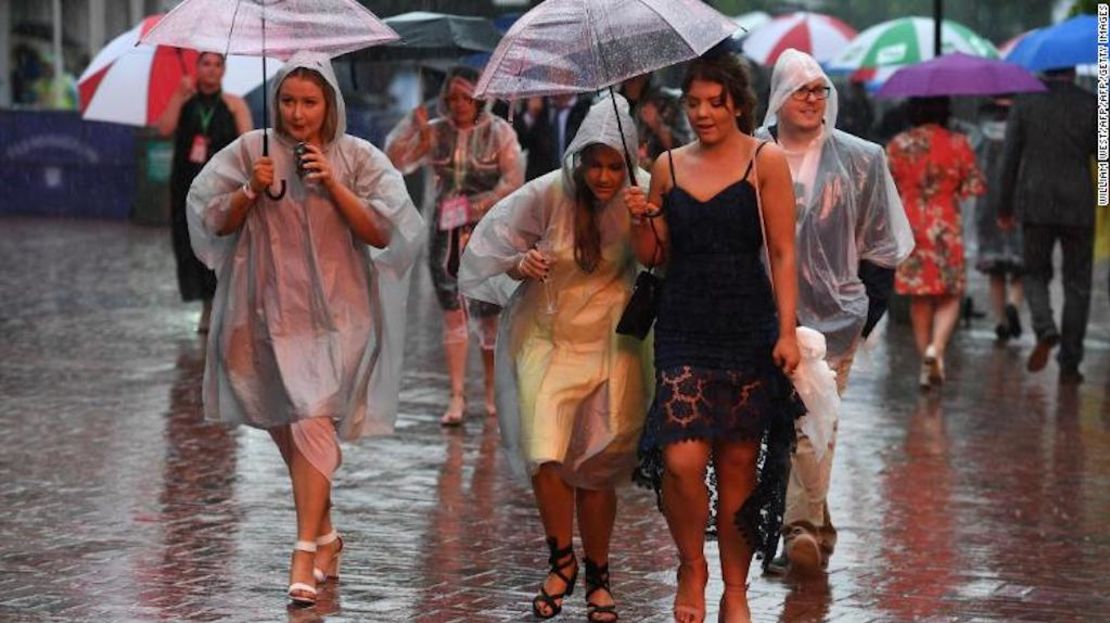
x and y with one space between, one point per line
986 501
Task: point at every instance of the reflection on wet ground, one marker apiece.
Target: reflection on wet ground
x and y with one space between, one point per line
988 500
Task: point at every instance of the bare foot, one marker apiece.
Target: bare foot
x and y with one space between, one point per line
300 573
456 408
327 558
734 606
689 600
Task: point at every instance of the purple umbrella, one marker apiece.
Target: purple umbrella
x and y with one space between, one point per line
960 74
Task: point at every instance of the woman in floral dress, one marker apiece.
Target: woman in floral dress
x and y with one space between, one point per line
933 168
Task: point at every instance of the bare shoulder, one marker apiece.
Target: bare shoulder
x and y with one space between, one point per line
771 158
661 171
769 152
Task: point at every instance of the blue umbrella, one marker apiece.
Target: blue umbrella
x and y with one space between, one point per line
1067 44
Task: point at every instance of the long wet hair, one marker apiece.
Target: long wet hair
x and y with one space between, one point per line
925 110
331 116
720 66
587 232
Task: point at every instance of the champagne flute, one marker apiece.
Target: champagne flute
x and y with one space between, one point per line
547 250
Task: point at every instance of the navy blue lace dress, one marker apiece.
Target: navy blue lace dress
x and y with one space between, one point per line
714 335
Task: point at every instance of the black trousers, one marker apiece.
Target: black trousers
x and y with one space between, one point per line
1078 246
194 280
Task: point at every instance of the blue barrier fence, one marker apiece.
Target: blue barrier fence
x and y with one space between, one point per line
54 164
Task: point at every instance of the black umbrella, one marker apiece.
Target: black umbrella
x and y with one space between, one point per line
427 36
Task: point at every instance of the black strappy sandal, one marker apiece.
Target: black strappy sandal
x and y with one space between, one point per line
597 579
566 556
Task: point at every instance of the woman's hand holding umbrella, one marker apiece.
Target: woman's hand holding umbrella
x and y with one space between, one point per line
262 174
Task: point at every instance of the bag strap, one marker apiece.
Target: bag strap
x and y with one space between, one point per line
759 208
655 257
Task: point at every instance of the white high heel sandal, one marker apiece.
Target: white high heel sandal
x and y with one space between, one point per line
333 567
300 593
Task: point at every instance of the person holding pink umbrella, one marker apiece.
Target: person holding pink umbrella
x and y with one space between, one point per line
202 120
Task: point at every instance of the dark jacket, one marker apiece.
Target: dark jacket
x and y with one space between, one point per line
1045 174
541 139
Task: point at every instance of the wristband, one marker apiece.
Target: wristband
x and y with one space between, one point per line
248 191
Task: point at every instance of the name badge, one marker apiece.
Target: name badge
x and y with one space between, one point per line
198 153
453 213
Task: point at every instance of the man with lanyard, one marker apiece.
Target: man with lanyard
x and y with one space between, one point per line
203 120
851 234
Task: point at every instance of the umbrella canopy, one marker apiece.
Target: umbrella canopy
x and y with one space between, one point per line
576 46
131 83
960 74
277 28
748 22
820 36
1006 48
427 35
1067 44
906 41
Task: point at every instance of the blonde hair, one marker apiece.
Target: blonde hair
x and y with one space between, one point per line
331 117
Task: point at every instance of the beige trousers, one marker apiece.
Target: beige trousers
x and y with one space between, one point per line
807 507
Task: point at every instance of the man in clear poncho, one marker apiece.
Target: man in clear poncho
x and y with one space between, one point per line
308 320
852 233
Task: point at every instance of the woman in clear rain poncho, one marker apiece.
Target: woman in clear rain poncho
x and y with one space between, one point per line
851 234
476 160
571 392
308 321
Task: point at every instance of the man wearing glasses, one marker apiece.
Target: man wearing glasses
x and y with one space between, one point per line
851 234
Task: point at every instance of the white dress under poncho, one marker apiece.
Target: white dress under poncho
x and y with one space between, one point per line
307 321
570 390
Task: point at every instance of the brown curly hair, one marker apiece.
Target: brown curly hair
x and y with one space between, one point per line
724 68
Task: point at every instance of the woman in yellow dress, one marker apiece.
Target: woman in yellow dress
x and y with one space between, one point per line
571 392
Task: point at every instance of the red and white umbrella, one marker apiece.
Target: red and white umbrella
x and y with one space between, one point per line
820 36
131 83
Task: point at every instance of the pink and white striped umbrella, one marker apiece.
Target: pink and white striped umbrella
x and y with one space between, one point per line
1005 49
131 83
821 36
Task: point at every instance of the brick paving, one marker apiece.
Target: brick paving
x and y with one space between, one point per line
987 501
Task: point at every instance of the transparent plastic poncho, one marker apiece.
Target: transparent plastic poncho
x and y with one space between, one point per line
307 320
849 210
570 390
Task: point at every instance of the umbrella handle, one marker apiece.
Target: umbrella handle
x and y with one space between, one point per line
280 193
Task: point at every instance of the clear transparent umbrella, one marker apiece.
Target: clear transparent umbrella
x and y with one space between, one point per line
577 46
277 28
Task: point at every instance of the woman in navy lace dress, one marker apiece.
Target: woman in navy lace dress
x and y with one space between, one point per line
724 335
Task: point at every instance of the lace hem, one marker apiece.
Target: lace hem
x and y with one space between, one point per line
770 420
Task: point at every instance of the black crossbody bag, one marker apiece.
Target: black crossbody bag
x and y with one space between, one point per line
639 313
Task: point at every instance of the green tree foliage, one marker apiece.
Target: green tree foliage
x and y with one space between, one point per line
1084 6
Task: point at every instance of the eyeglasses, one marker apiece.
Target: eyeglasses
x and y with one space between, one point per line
818 93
